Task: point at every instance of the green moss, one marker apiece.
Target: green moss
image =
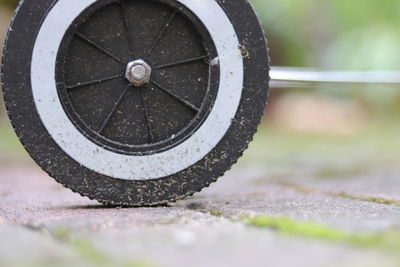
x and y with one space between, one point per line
388 241
61 233
290 227
92 255
382 201
88 253
217 213
376 200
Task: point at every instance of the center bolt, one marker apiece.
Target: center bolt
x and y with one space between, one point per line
138 72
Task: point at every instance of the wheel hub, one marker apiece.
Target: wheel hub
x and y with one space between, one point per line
137 91
138 72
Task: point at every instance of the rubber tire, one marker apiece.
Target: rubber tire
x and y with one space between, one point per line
19 102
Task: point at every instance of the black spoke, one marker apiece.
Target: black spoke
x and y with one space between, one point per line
186 61
97 81
160 35
127 26
147 116
114 109
188 104
99 47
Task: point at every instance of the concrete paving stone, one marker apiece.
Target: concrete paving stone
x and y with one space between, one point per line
379 184
252 193
22 246
219 242
36 210
206 241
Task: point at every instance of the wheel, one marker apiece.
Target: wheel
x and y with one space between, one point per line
135 102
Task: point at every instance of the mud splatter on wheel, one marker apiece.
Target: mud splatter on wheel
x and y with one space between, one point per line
135 102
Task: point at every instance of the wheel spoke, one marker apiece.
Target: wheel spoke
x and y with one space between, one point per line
186 61
127 26
97 81
187 103
114 109
99 47
160 35
147 117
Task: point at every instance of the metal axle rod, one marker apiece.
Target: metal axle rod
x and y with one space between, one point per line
301 77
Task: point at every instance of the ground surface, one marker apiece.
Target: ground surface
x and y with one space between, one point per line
294 200
43 223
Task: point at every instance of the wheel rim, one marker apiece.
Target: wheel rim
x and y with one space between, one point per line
92 66
138 167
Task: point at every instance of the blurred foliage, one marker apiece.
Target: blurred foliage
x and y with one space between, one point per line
342 34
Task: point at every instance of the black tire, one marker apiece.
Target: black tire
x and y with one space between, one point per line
146 122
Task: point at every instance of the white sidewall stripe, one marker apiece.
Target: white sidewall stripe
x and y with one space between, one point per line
126 167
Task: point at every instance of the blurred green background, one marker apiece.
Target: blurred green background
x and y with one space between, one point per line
351 123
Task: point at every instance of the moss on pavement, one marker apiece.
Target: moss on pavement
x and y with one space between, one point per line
387 241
